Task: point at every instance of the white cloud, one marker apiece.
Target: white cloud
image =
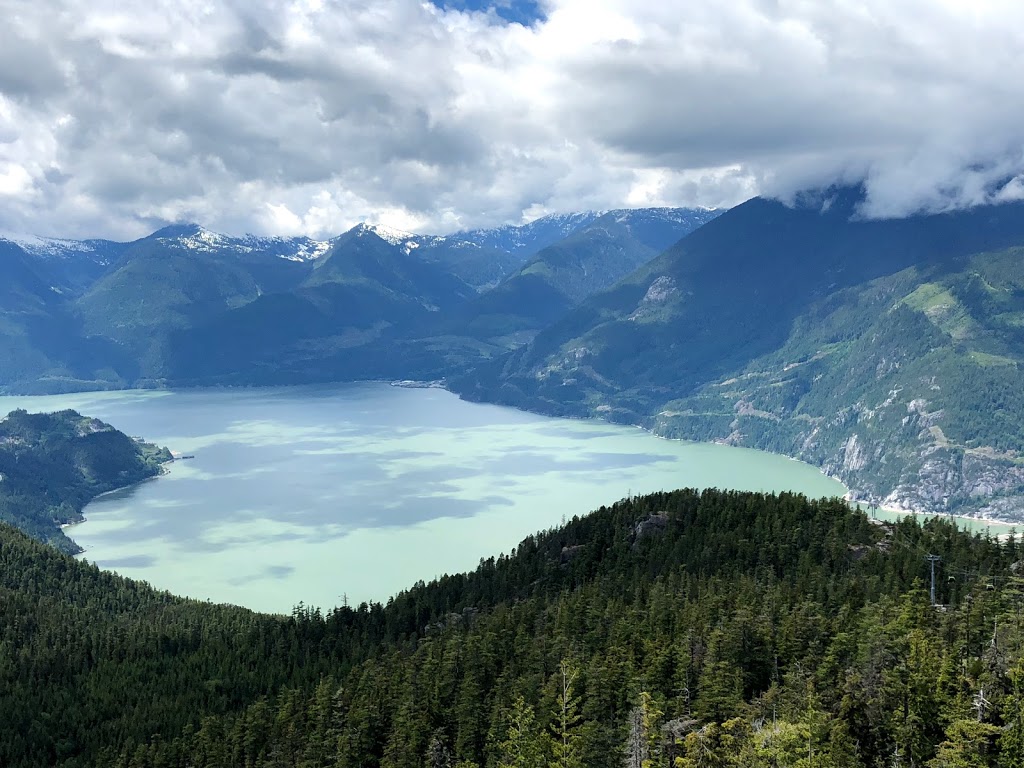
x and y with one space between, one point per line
14 180
281 116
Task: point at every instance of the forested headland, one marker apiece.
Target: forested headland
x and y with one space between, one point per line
53 464
678 629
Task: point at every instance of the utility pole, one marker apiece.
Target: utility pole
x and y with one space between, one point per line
933 559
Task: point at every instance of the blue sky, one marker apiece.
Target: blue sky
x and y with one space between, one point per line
525 12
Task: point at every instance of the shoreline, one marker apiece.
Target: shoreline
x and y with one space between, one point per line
442 384
963 521
163 470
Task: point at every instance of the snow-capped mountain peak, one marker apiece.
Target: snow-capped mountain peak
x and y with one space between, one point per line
408 241
392 235
193 237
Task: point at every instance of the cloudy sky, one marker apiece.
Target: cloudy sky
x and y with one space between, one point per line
307 116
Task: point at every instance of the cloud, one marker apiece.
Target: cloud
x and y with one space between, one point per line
286 116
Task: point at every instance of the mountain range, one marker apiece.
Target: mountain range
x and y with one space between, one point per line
886 352
186 305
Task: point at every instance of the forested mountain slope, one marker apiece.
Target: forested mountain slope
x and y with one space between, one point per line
339 323
53 464
565 273
718 628
42 345
886 352
161 288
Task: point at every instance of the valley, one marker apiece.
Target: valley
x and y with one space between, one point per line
890 359
304 493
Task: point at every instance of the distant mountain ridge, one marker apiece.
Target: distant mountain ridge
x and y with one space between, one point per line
529 238
187 305
561 275
524 239
509 245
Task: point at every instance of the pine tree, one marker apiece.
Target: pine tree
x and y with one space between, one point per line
438 755
523 746
565 745
968 744
1011 742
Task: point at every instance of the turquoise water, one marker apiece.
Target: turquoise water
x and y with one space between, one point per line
322 494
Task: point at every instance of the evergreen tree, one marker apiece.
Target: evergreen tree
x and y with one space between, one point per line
523 746
1011 742
968 744
565 721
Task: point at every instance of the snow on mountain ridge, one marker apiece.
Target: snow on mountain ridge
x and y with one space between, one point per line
678 215
506 237
391 235
200 239
197 238
49 247
310 251
411 241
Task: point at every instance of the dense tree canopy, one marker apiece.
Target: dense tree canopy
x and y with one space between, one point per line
53 464
678 629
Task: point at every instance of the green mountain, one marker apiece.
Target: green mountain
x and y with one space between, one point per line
189 306
682 628
563 274
338 324
42 346
362 257
52 465
25 301
484 258
23 287
69 266
884 351
479 266
95 314
180 278
161 288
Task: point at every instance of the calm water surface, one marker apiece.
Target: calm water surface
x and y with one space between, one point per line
318 494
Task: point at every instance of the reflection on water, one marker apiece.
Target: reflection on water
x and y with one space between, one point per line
315 493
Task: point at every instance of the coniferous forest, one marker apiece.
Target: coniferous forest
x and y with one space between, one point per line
678 629
53 464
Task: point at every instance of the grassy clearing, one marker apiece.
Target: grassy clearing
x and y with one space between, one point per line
987 360
942 308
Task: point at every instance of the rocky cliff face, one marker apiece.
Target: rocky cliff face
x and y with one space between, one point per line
893 454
